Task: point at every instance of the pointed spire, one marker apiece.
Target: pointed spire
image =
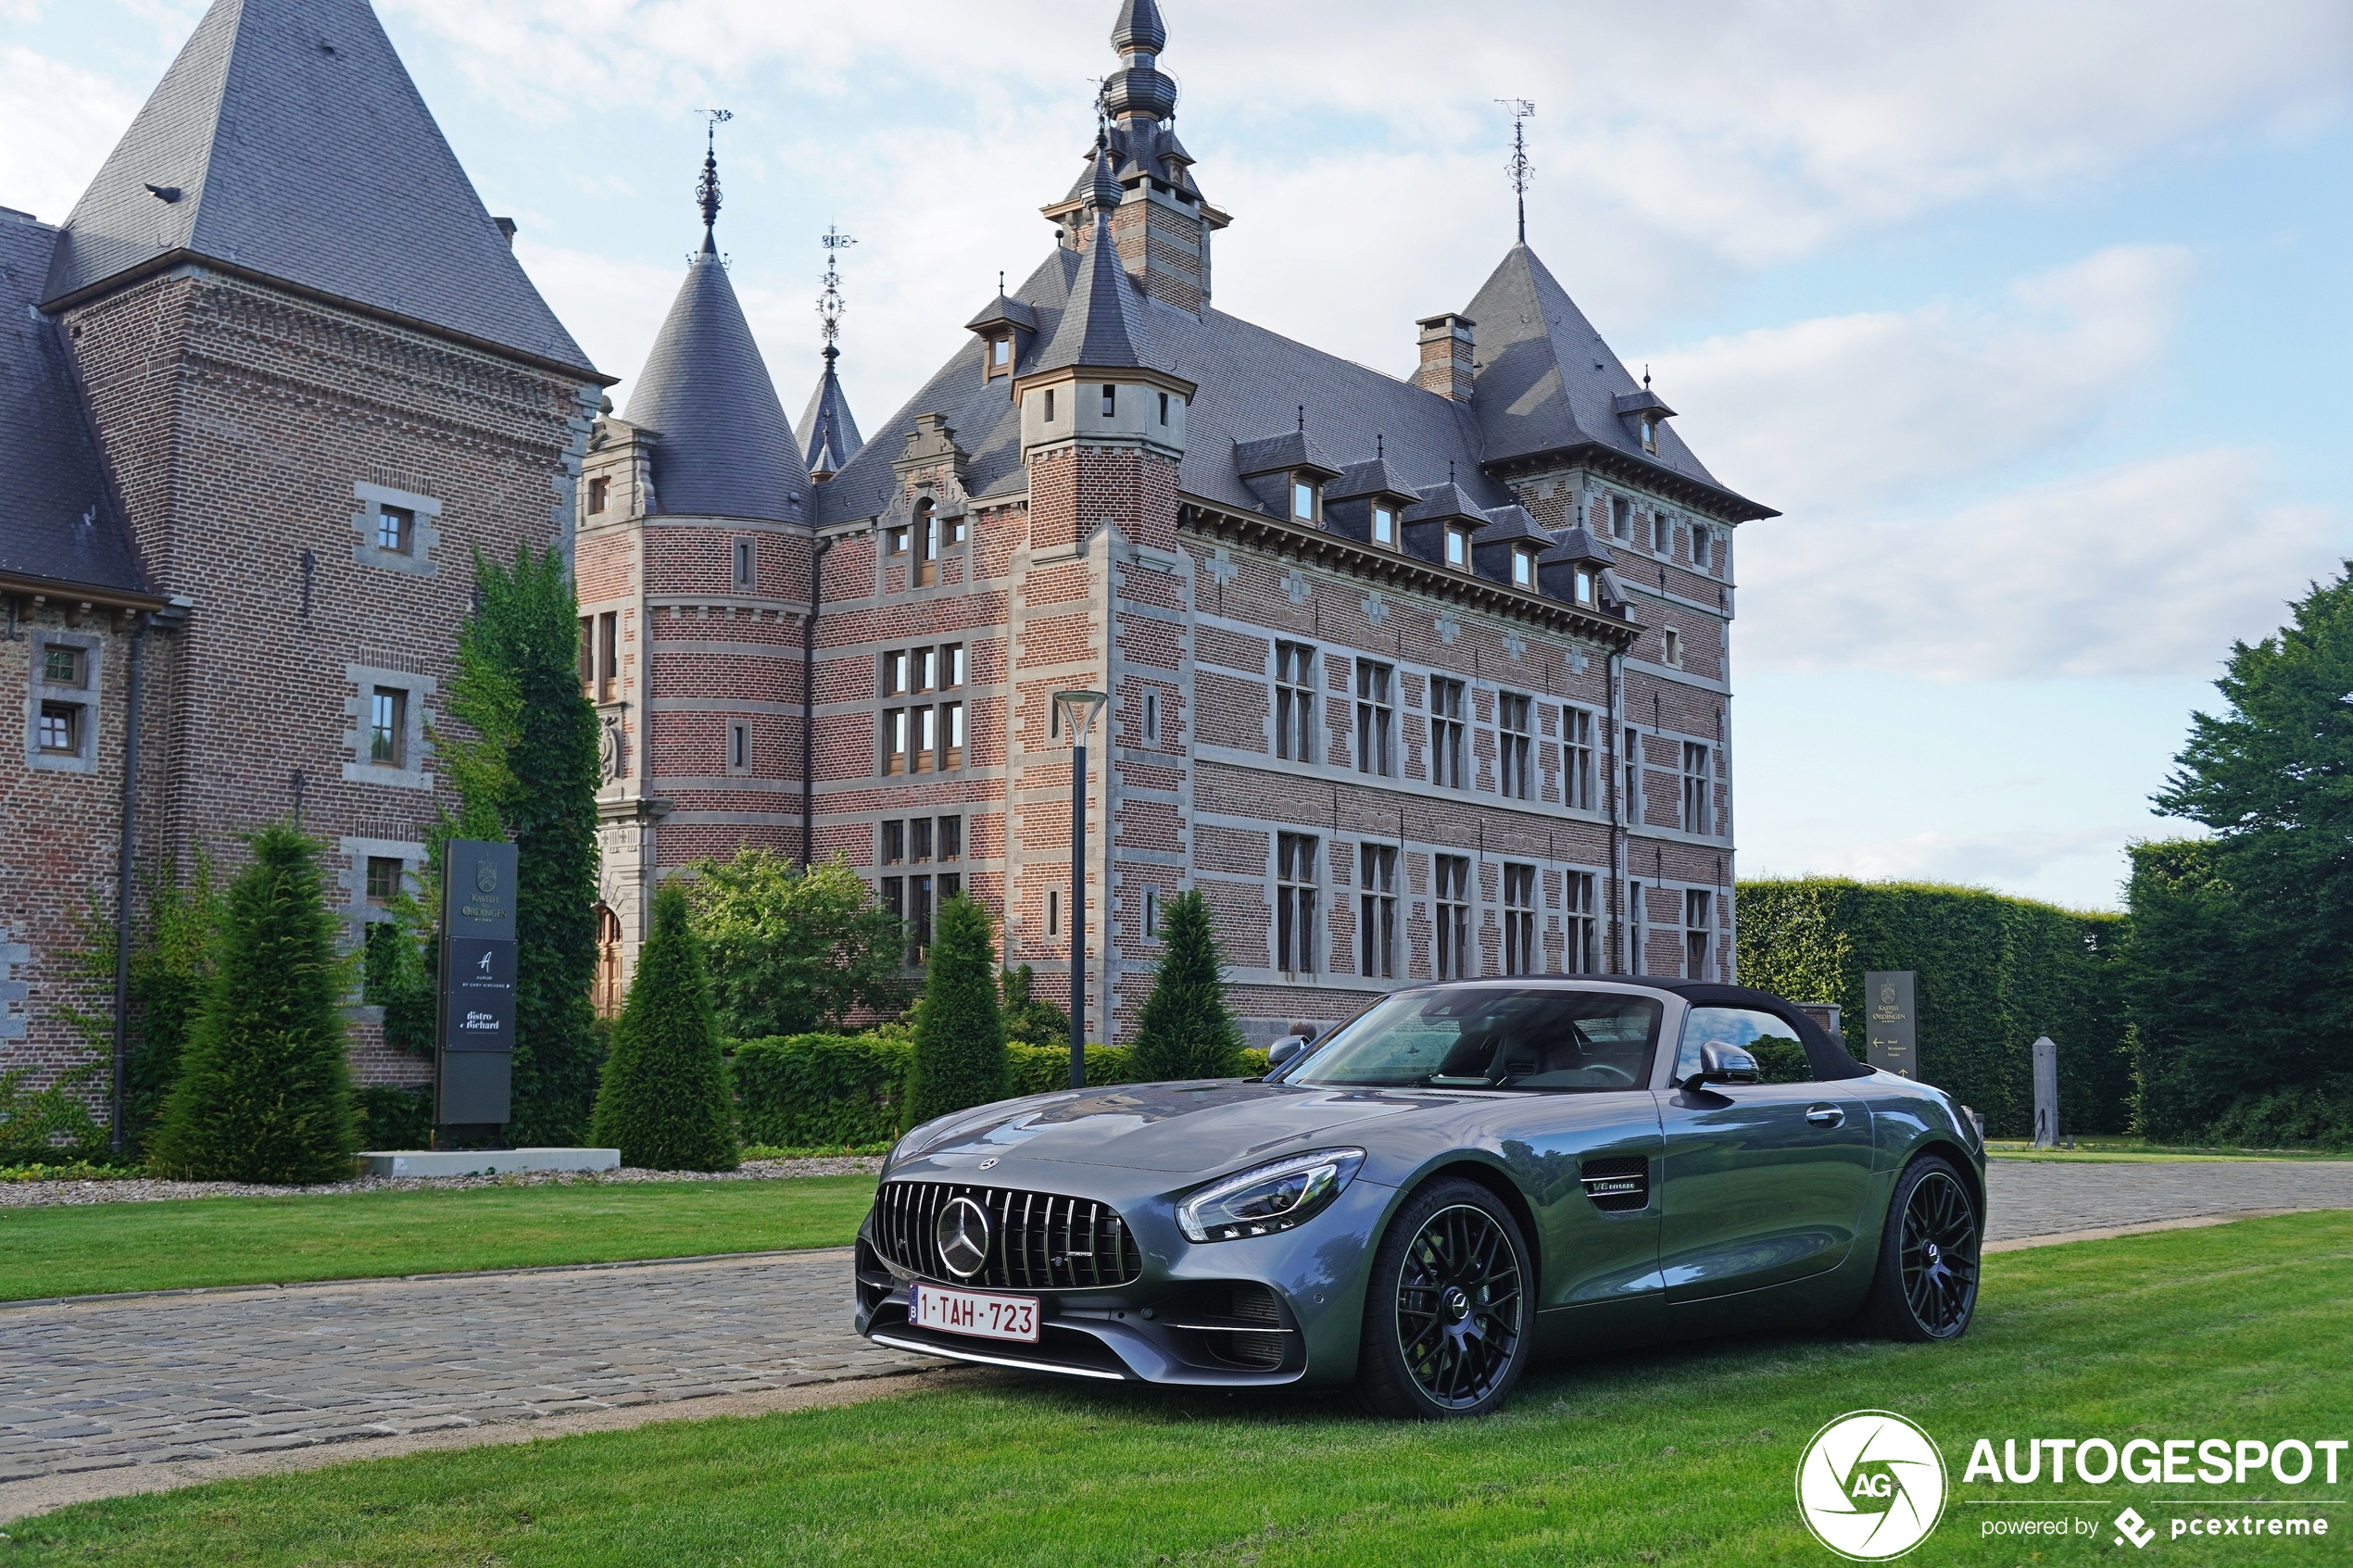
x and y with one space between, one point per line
829 435
707 188
1103 327
722 447
1138 29
287 130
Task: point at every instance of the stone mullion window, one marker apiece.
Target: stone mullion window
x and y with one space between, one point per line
1513 745
1447 744
1377 898
1519 919
1376 717
1295 902
1295 702
1451 939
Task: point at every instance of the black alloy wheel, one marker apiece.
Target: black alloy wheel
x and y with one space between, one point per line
1446 1319
1927 1284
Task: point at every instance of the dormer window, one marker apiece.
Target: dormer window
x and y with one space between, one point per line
1458 548
1523 567
1000 353
1584 586
1304 493
1650 434
1384 524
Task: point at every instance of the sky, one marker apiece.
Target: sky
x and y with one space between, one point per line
2029 318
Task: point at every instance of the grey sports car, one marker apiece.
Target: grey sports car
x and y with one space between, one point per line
1465 1176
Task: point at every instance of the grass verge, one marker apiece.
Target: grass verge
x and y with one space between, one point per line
84 1248
1682 1456
2101 1148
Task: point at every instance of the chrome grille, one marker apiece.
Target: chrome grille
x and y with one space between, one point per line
1039 1240
1619 1185
1255 1303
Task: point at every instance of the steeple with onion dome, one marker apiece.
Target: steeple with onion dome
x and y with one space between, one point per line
1140 175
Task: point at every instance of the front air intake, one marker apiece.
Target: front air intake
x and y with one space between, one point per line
1037 1241
1619 1184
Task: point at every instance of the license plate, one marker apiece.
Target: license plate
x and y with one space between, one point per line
970 1312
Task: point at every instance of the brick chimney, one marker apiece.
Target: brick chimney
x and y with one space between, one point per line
1446 356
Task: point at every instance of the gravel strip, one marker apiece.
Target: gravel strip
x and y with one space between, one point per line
38 1195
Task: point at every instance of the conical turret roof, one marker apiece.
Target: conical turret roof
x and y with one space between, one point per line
1102 328
288 142
722 447
829 435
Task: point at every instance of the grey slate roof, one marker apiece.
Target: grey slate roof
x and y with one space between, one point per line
1004 310
723 448
300 151
1292 449
1102 324
58 519
1140 27
1547 382
829 435
1375 476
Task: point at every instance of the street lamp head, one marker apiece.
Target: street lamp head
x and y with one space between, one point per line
1079 711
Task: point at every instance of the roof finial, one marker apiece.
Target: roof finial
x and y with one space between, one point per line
707 188
1000 283
1647 377
1450 470
1302 418
1521 169
829 305
1381 445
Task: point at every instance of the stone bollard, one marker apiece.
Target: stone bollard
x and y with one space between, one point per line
2046 1132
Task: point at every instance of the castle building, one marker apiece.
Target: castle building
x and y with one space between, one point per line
1412 679
263 394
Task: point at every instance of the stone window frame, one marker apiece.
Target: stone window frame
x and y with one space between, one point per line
418 559
415 750
352 881
739 747
84 759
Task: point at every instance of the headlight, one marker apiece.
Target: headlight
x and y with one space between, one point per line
1266 1198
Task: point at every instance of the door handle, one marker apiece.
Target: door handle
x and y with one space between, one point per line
1826 1116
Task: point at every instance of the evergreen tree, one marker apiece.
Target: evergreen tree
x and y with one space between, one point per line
264 1094
664 1100
529 775
2259 922
1185 1031
960 1034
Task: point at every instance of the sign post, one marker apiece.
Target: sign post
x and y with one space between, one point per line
475 1066
1888 1007
2046 1131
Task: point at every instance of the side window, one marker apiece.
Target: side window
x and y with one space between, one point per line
1780 1058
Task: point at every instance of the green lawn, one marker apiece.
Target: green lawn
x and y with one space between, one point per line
2105 1147
1680 1455
210 1241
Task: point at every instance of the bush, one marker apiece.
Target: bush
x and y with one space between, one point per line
1185 1031
959 1036
48 1124
794 952
264 1094
396 1116
664 1101
1030 1017
1993 973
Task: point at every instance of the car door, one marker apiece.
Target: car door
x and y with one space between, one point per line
1763 1182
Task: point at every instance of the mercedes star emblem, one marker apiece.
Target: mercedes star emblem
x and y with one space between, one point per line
962 1235
988 1162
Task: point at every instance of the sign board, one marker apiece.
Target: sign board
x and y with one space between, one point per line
1889 1012
477 1034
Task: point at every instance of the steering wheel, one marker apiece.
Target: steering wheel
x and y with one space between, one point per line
1625 1079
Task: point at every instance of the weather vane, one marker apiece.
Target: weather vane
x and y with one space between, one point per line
1521 169
829 305
707 188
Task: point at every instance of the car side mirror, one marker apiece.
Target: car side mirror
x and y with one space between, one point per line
1284 1050
1720 1063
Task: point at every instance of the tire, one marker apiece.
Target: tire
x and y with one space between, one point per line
1925 1289
1450 1308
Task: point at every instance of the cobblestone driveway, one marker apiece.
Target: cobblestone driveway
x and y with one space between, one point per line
103 1383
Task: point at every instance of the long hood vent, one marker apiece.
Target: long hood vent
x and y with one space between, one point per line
1618 1183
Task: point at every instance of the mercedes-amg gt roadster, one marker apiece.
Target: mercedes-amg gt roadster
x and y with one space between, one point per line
1465 1176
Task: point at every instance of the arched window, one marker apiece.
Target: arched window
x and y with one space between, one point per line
606 991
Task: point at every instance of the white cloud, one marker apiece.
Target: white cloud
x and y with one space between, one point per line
2147 569
2082 859
57 123
1835 413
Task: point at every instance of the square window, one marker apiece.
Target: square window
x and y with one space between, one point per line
64 665
955 530
396 529
61 729
599 494
383 879
387 725
894 541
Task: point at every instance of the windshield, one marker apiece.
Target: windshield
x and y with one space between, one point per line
1492 1037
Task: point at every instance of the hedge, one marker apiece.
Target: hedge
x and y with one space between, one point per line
819 1091
1993 972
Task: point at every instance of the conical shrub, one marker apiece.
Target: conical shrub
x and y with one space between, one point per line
959 1033
264 1092
1185 1031
663 1101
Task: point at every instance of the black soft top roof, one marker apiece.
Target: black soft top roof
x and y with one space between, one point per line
1825 1055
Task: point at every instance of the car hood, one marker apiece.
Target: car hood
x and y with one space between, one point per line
1190 1127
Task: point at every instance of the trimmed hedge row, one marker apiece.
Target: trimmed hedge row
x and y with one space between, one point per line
1993 972
809 1091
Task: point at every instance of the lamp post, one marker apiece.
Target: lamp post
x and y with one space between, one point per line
1079 710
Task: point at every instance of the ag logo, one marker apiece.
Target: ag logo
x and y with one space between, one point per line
1871 1486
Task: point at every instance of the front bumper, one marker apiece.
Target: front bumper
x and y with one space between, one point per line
1262 1311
